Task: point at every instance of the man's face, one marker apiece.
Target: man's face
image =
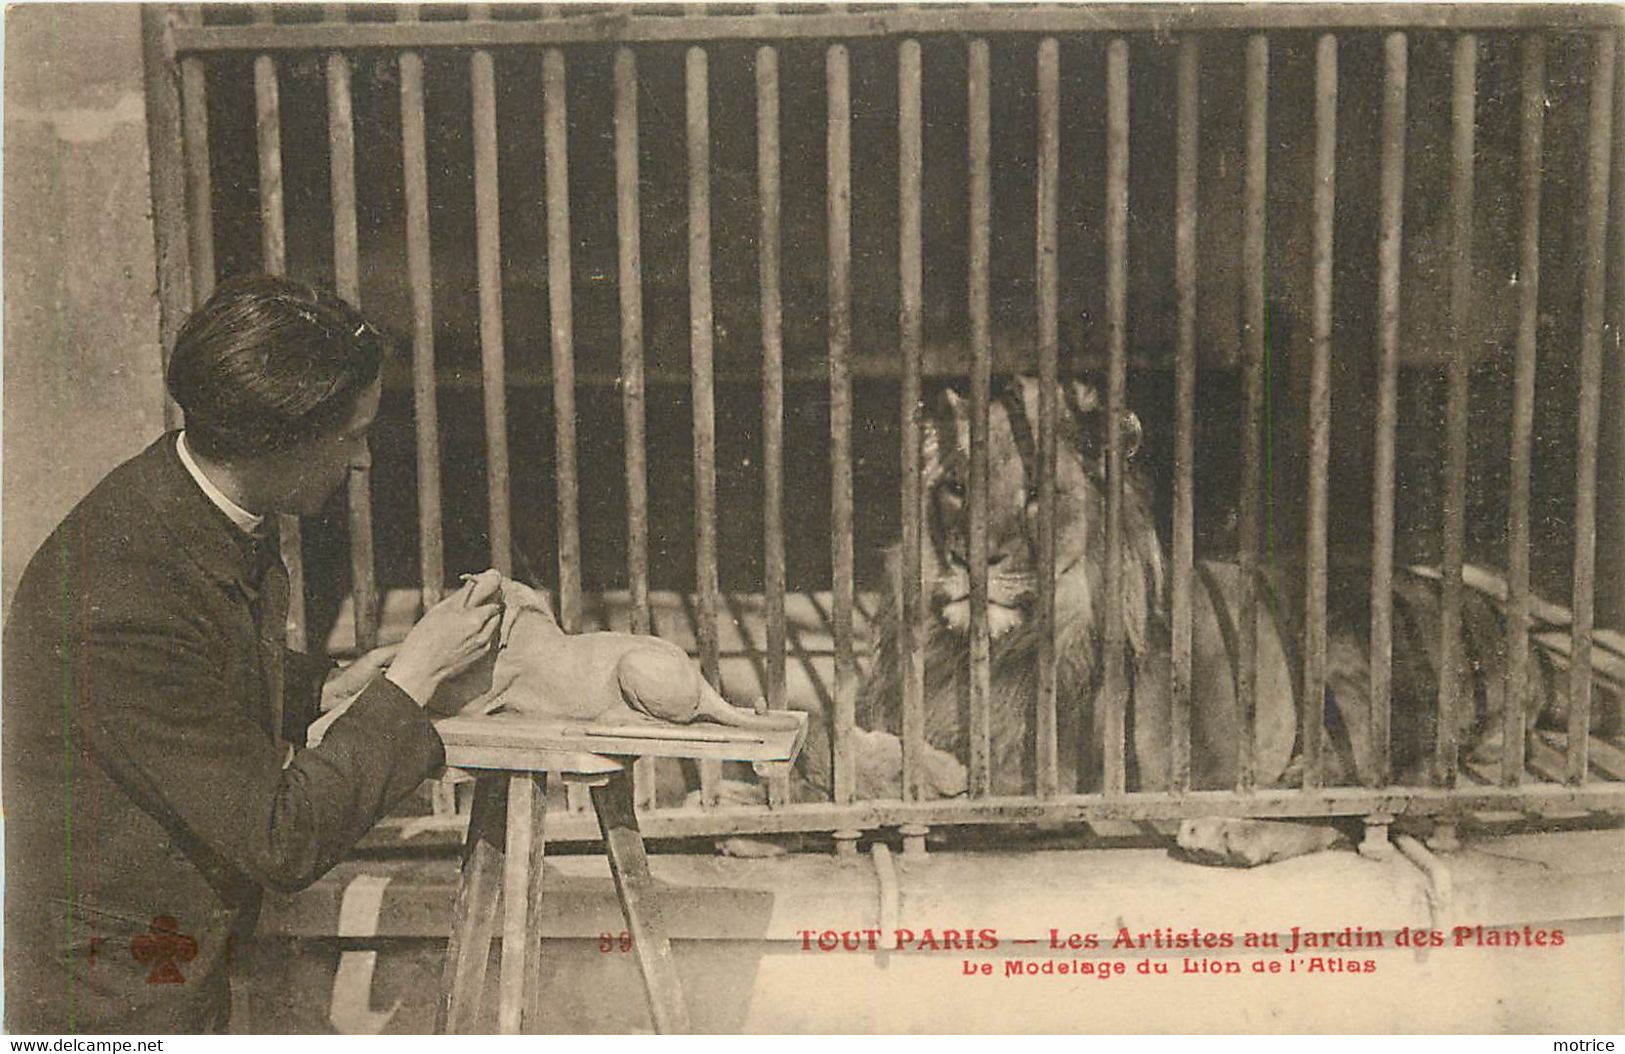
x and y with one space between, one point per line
317 468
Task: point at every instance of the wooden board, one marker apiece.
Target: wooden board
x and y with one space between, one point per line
507 742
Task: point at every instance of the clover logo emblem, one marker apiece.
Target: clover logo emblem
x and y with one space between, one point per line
164 948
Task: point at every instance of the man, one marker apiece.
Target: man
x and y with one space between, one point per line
147 800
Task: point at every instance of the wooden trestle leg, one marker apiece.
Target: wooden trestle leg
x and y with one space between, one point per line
627 862
474 916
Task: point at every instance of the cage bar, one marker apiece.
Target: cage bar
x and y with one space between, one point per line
166 150
488 253
768 260
1535 799
1599 131
921 21
1391 214
1114 693
1614 540
1046 738
979 145
630 250
838 76
347 283
1188 136
1254 350
419 262
274 260
1523 410
555 124
1320 410
1463 95
199 179
910 163
700 367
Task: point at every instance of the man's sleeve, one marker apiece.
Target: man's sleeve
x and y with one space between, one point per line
157 712
303 677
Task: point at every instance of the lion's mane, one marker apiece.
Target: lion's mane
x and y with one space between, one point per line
1079 608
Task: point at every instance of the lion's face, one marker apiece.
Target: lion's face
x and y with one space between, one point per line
1012 521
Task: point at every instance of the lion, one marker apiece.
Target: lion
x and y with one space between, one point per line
1079 603
1215 725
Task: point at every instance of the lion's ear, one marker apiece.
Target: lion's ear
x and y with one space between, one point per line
1132 433
1086 406
930 449
1084 398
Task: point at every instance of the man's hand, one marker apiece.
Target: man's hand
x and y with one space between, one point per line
347 682
342 687
451 637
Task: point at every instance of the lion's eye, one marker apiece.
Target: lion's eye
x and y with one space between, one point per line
953 486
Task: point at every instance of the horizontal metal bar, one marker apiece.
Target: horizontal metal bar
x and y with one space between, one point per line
862 367
1535 799
1109 18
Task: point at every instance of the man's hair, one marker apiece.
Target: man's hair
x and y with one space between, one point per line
269 362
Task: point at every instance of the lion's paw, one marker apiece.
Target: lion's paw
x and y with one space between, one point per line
1227 842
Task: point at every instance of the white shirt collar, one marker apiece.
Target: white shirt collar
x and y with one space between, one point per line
245 520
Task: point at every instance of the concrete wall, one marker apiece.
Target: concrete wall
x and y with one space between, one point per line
83 386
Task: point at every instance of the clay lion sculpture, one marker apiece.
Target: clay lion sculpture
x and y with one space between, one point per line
537 670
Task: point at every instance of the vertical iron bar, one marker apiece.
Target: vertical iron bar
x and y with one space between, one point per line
488 251
979 133
1115 690
1253 380
274 260
768 259
1464 73
1601 126
1320 410
555 122
910 161
629 239
166 151
1614 540
1523 411
1613 523
347 283
1389 244
1188 133
839 206
419 261
704 409
629 242
199 180
1046 740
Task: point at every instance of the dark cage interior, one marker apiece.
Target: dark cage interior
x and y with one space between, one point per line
493 186
1150 330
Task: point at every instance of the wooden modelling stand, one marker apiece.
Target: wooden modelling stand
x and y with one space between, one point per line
502 857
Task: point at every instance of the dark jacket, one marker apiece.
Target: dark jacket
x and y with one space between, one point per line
145 800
